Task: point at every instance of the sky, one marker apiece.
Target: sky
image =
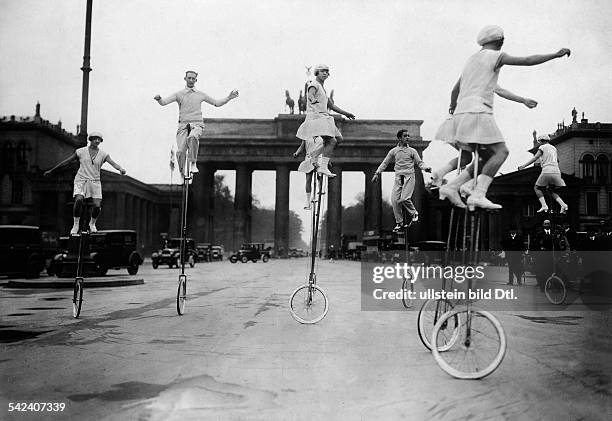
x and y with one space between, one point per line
389 59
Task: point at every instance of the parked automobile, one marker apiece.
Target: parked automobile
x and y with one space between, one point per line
21 251
217 252
115 249
204 252
104 250
252 252
170 254
295 252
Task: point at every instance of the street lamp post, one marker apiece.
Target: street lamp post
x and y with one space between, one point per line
86 69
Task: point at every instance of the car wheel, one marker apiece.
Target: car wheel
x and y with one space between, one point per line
191 261
244 259
133 269
254 260
265 258
155 264
233 259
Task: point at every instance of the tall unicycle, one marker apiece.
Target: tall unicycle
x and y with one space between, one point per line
77 292
308 303
480 343
407 283
181 293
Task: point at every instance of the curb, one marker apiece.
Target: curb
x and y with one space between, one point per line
68 284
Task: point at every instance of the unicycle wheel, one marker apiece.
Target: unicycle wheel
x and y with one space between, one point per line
475 353
308 304
555 290
431 311
77 297
406 287
181 295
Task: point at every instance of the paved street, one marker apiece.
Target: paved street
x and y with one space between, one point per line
238 354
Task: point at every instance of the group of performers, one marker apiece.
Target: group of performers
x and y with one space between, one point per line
471 127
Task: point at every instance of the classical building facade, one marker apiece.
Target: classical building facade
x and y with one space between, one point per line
245 145
31 145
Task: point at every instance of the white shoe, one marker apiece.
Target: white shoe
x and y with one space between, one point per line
482 203
564 209
194 168
307 205
543 209
92 228
74 230
415 217
466 190
452 195
323 169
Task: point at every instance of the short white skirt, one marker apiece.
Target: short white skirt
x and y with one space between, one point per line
320 125
468 128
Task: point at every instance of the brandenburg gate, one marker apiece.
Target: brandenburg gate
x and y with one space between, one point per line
245 145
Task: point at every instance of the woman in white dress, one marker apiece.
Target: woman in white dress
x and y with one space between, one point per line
473 124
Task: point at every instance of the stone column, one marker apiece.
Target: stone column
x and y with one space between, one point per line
281 213
372 206
62 199
334 210
202 204
242 206
120 210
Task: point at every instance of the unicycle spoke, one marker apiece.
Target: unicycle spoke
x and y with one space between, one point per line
77 297
431 311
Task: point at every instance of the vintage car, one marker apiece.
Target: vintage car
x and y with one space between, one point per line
252 252
217 252
104 250
21 251
170 253
203 252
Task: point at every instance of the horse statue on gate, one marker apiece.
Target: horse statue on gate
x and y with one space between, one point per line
302 104
290 102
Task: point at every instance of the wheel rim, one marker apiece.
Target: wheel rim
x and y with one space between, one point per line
308 304
181 295
427 319
555 290
77 298
480 355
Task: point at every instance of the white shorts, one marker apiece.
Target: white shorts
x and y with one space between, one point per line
88 188
550 179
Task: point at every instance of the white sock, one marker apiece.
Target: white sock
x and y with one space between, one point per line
92 222
462 178
482 185
77 220
560 202
543 201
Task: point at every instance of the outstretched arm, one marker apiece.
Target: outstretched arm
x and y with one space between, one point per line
115 165
221 102
334 107
504 93
72 158
383 165
420 162
532 160
299 149
530 60
165 101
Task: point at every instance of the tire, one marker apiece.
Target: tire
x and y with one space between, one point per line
308 310
155 264
431 311
265 258
191 261
555 290
244 259
77 297
407 286
486 345
181 295
233 259
133 269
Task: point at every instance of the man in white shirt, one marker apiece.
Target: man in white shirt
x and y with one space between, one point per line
191 123
405 158
550 177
